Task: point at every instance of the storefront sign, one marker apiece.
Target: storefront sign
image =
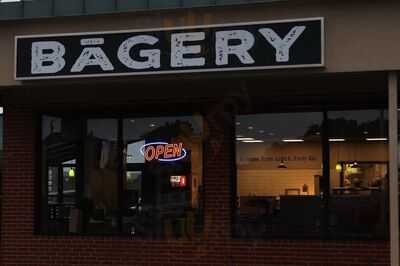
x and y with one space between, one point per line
163 151
228 47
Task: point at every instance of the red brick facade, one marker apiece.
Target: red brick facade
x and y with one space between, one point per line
19 245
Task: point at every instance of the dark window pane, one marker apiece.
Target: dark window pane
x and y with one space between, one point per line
359 173
162 185
279 159
60 150
101 176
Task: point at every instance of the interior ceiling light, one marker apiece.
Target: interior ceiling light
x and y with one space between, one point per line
337 140
376 139
244 139
253 141
293 140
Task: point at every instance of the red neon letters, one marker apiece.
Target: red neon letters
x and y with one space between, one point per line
163 151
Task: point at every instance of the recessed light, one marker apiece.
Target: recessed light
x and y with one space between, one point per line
337 140
244 139
250 127
376 139
293 140
253 141
365 132
152 125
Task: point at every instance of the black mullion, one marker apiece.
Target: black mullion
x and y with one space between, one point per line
235 219
60 197
325 181
120 175
39 204
81 174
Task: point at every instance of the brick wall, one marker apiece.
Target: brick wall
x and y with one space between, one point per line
19 246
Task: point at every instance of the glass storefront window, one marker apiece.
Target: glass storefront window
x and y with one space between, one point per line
61 140
136 176
101 175
162 184
279 158
318 174
359 194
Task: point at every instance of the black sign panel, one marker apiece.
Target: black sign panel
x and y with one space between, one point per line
242 46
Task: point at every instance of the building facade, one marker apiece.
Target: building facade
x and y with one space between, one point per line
251 134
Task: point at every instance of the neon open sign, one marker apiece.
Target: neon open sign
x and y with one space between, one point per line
163 151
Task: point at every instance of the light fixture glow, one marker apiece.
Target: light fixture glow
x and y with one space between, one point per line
253 141
293 140
337 140
282 165
244 139
355 165
376 139
71 172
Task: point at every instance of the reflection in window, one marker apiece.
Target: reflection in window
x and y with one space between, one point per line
279 169
359 173
147 184
60 150
162 182
101 176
